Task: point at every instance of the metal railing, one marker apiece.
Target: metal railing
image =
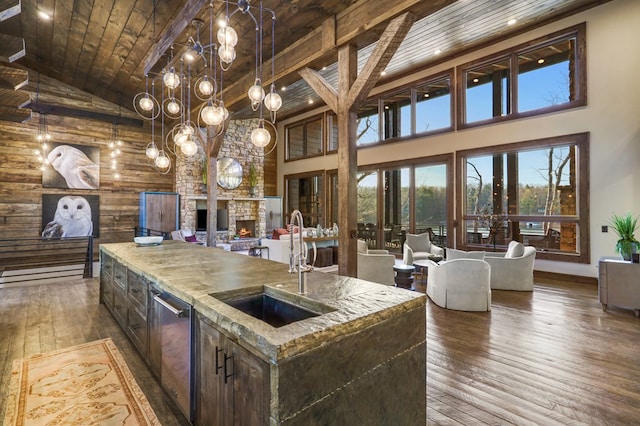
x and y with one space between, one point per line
38 259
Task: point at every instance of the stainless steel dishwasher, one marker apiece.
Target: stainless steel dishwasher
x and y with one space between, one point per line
170 348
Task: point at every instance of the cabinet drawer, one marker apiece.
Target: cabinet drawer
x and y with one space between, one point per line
119 305
106 293
138 329
107 264
137 287
120 275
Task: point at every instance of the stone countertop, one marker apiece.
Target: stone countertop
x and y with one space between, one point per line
191 272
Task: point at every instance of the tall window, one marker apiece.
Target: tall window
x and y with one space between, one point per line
305 192
405 197
548 74
534 192
304 139
433 105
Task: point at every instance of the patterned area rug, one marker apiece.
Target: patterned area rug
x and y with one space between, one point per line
88 384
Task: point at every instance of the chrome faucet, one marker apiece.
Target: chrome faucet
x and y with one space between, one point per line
302 268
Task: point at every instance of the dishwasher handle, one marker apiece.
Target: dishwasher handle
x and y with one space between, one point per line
180 313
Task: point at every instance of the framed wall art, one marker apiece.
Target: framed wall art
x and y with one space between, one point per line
72 167
70 215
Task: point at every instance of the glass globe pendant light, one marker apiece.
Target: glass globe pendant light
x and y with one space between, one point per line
171 79
260 136
151 151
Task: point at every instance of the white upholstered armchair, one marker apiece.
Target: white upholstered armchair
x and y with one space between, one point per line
375 265
512 270
460 284
419 247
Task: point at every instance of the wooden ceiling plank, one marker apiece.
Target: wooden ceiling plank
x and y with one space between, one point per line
110 20
14 98
133 23
140 28
13 78
9 9
11 48
189 9
379 59
63 23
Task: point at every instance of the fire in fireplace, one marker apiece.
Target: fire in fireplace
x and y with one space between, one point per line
246 228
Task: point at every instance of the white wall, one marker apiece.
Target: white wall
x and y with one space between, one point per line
612 116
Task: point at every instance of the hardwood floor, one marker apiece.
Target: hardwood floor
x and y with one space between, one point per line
548 357
43 318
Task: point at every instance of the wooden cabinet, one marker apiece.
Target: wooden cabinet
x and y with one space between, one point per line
233 384
125 294
159 211
618 282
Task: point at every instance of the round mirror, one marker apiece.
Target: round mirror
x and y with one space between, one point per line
229 173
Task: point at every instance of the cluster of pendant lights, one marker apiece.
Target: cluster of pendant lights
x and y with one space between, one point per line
175 95
43 138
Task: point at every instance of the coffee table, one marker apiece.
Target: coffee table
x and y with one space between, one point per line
404 276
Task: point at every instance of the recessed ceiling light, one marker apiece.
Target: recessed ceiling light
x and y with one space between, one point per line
310 102
383 73
541 61
437 52
512 21
44 15
283 88
426 95
475 80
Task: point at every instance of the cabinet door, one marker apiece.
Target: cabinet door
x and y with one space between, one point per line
160 212
211 402
250 387
233 384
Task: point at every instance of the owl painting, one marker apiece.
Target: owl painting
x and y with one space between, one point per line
77 169
72 218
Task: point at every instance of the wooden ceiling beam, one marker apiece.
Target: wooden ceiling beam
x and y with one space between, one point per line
389 42
9 9
13 78
320 45
43 108
11 48
173 29
326 91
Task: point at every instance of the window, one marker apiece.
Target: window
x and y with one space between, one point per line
305 192
433 105
396 113
536 192
304 139
332 132
545 75
368 131
405 197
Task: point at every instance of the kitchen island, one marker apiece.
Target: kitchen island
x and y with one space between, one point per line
360 360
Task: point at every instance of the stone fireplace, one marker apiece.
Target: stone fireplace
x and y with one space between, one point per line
239 205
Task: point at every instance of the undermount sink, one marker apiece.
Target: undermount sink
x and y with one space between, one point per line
265 306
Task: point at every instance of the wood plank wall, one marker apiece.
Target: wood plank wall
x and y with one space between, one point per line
21 179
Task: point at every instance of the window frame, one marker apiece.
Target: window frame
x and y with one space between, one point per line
305 122
511 54
581 141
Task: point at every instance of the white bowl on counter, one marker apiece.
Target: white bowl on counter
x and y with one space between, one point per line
148 241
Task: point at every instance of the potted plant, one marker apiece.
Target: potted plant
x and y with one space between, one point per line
252 179
625 226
